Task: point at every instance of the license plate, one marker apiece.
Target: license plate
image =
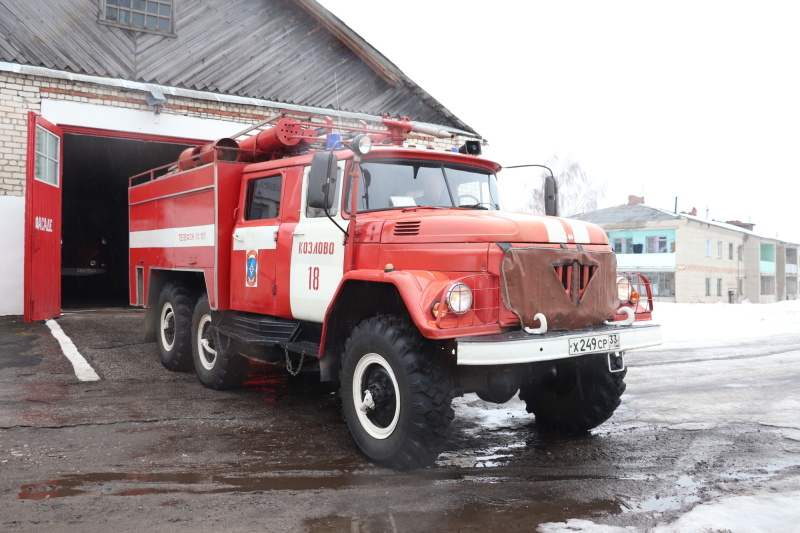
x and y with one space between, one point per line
594 344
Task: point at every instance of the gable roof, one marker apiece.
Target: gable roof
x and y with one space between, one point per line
622 214
626 213
293 52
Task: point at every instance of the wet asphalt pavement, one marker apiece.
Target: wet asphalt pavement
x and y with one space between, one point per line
145 449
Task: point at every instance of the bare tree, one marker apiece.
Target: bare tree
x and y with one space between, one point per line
577 192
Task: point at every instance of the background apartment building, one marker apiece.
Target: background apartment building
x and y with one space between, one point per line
690 259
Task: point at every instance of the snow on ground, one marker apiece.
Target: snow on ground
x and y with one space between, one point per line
732 357
701 325
731 385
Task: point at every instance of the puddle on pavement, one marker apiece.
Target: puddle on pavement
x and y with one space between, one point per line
476 516
121 484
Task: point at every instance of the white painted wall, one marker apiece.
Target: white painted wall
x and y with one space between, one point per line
66 113
12 252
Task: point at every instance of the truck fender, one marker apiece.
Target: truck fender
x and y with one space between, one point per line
406 291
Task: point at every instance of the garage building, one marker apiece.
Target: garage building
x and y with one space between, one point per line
95 91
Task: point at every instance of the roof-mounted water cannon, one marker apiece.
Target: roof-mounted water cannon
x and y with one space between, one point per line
398 128
286 137
196 156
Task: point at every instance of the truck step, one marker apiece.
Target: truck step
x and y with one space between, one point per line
254 329
303 347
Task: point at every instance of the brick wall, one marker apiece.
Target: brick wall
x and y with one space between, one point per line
18 95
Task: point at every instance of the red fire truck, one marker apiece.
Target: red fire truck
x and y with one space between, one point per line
387 268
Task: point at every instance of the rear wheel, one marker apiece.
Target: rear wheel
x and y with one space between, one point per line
572 395
216 365
396 399
173 335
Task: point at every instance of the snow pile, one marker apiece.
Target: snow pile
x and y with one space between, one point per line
763 512
710 323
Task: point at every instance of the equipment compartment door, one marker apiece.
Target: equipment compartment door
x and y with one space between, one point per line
42 285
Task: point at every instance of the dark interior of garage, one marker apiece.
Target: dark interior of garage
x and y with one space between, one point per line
94 257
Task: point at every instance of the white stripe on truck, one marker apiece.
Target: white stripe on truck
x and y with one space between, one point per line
174 237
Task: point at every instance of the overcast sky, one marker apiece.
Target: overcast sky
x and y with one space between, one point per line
687 99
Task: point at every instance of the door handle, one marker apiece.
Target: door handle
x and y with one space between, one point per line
298 234
238 238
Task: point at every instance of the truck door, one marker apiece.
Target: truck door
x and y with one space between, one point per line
42 285
317 257
255 239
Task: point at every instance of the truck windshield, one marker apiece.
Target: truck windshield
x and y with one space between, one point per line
392 184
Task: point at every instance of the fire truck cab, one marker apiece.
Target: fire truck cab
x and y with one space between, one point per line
391 270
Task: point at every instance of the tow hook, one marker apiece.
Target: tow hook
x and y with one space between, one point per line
542 329
628 312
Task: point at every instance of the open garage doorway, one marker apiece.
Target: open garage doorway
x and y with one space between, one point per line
94 259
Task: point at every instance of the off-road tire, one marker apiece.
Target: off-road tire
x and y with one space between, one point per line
572 395
409 424
222 370
173 334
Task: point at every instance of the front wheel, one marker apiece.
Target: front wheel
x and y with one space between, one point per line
396 399
572 395
217 366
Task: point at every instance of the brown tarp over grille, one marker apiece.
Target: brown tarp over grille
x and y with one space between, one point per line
530 285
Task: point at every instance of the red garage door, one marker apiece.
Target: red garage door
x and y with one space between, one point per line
43 220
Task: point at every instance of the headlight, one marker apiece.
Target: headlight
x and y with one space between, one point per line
624 289
459 298
362 144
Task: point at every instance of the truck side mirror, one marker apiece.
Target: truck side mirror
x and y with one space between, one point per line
550 197
322 180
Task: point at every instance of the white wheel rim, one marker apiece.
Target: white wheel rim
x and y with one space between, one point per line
167 316
208 357
359 374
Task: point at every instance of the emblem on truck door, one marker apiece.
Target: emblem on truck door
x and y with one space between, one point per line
251 276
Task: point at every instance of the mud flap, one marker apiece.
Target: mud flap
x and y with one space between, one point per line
616 362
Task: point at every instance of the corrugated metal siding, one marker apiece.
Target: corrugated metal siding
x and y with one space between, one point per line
270 49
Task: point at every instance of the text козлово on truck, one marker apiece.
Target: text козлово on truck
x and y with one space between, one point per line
392 270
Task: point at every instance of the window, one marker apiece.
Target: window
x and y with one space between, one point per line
740 286
661 283
47 154
719 249
395 184
730 250
656 245
147 15
263 198
623 245
708 247
767 285
708 286
719 286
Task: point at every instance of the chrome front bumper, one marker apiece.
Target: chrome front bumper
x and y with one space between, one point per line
519 347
